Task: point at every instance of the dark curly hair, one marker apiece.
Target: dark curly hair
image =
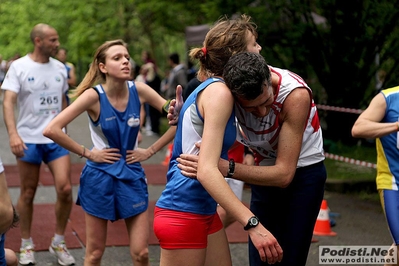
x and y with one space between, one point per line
245 74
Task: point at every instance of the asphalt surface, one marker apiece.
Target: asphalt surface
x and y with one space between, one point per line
358 221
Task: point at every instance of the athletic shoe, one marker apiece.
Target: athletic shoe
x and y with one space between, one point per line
27 255
62 253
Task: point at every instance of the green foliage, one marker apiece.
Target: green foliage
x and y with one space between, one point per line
333 45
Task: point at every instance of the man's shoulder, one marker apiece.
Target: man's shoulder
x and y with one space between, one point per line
21 61
58 64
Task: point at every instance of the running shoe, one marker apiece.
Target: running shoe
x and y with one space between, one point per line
62 253
27 255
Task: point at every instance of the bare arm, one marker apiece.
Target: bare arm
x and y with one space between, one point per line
89 102
369 125
16 144
150 96
294 118
6 209
144 154
216 116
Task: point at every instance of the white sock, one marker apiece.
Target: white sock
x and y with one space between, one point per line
26 242
57 239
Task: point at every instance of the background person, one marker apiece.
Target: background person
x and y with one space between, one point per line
112 185
62 56
177 76
380 121
37 83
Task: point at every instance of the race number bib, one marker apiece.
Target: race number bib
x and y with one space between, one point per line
46 103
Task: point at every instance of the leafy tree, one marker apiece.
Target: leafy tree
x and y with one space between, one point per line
338 47
333 44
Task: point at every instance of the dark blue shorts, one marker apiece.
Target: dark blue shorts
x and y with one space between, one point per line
38 153
110 198
290 213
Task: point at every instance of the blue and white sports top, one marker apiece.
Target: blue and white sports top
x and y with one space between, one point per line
115 129
182 193
388 146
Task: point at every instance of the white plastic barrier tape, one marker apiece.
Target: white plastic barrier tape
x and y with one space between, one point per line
349 160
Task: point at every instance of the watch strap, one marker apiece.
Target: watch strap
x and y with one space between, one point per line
232 166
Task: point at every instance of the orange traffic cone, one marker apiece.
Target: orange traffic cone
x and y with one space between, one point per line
168 154
323 226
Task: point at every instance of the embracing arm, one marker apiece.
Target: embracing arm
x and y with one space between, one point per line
369 125
293 118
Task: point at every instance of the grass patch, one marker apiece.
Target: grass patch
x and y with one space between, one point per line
366 196
347 171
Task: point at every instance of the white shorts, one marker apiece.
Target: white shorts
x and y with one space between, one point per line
236 186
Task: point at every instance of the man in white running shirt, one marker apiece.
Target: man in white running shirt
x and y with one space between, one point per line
37 84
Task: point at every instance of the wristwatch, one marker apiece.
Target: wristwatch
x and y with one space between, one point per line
232 166
252 222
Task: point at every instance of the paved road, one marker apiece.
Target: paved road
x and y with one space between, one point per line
360 221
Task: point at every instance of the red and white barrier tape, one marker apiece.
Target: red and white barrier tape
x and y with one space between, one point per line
349 160
339 109
338 157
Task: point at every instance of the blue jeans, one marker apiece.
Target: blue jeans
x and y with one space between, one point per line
290 213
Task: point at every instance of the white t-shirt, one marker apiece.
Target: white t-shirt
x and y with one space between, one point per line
40 88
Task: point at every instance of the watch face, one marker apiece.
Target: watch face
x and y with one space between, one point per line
254 221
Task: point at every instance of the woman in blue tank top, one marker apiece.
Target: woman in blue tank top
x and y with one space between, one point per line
112 183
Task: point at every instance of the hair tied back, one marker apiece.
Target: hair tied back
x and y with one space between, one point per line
204 50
